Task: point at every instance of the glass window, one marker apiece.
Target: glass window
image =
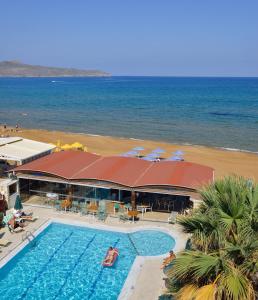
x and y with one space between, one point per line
12 189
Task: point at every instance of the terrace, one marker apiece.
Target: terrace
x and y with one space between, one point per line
142 287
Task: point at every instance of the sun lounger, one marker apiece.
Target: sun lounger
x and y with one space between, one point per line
4 242
102 214
7 218
29 218
123 216
15 230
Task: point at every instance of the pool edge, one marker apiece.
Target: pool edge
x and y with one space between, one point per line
131 279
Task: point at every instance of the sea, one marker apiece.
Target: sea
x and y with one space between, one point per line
217 112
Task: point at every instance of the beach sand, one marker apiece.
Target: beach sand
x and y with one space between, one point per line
224 162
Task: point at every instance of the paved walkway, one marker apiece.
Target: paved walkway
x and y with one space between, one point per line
149 283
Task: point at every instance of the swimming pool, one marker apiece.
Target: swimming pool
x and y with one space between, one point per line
64 262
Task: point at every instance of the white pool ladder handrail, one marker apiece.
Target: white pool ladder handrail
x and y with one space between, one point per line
28 236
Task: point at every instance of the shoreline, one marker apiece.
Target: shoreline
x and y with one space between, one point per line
225 161
162 141
178 144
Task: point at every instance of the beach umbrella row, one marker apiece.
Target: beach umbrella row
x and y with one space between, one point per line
158 150
130 153
155 154
138 148
175 158
148 158
179 152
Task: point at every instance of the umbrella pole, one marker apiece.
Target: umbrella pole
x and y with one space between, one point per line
133 200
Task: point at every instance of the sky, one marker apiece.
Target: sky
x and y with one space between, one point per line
134 37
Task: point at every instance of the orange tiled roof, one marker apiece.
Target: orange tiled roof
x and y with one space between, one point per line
127 171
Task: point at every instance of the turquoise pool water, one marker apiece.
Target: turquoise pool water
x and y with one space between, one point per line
65 263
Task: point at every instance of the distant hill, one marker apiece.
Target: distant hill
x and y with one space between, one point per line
18 69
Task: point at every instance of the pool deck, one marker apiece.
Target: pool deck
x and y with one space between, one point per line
139 284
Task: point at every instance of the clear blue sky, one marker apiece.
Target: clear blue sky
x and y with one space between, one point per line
134 37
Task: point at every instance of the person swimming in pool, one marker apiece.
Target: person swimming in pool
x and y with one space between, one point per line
110 256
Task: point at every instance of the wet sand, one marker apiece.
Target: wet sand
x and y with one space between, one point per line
224 162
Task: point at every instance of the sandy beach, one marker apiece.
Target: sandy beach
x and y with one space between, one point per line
224 162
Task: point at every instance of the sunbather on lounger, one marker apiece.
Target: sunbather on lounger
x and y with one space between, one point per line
14 224
168 259
21 214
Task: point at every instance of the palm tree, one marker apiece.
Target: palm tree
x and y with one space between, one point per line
223 260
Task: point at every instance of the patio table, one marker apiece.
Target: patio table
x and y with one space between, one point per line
143 208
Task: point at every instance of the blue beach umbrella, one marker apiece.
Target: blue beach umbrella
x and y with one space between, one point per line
148 158
175 158
158 150
153 155
138 148
131 153
179 152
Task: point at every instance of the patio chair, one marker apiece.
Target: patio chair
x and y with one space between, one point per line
84 210
116 207
75 205
102 215
57 205
172 217
102 205
149 208
128 206
123 216
7 218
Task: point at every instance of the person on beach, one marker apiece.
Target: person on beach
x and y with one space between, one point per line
167 261
16 127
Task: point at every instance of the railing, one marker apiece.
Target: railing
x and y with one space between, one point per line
29 237
44 199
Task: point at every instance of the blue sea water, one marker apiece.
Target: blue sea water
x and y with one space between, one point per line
220 112
65 263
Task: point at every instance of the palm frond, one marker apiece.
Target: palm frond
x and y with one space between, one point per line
206 292
233 284
195 265
223 262
187 292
